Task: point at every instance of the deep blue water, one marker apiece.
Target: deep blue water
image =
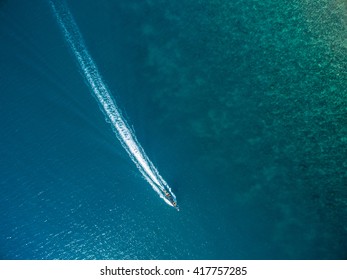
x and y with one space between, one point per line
69 189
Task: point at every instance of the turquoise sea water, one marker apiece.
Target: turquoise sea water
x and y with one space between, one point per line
241 105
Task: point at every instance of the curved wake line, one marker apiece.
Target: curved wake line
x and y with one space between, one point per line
107 104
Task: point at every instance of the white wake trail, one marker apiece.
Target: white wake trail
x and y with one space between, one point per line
107 104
